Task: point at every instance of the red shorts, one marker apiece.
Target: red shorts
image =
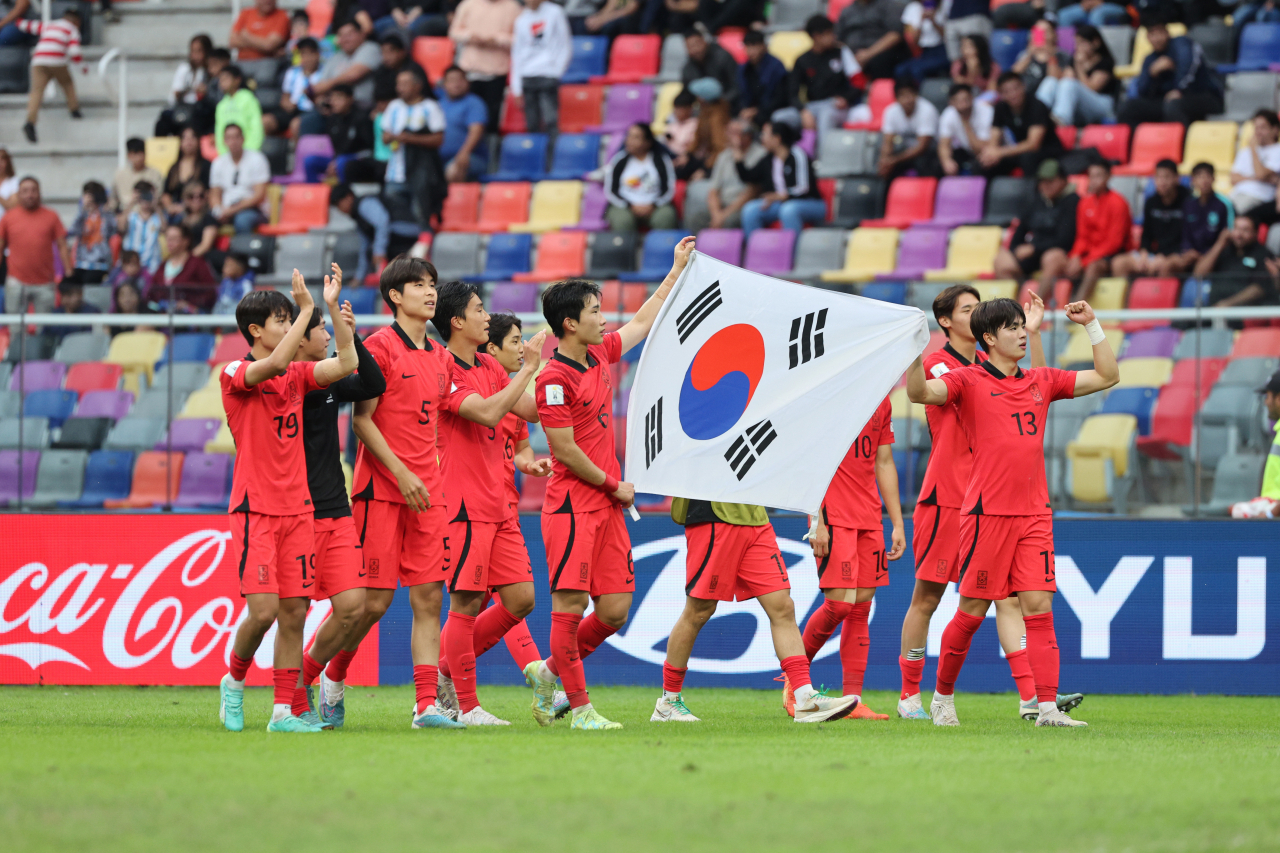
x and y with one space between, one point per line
1005 554
857 560
275 554
400 544
935 541
589 551
732 562
339 559
486 554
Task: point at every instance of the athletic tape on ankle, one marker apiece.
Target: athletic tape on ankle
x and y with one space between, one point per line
1094 329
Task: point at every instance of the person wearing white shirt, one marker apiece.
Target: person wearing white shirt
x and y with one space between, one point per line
413 125
238 183
924 24
909 126
540 53
1257 167
963 129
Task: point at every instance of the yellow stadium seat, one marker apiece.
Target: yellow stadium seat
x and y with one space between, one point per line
788 46
871 251
162 153
997 288
1145 372
1099 457
222 442
1108 295
972 253
662 106
205 403
1246 134
1079 349
275 198
137 353
555 205
1142 49
1210 141
904 408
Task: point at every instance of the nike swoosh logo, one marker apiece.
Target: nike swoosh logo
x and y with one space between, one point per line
306 586
265 391
362 574
407 375
997 393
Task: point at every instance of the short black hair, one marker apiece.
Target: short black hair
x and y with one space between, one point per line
71 10
228 126
1101 162
500 326
1152 18
258 307
300 13
394 39
1269 116
684 99
97 190
1202 166
70 285
220 53
308 43
344 88
144 187
451 69
992 316
694 31
957 88
317 319
452 299
944 304
1006 77
135 146
904 84
400 272
1167 164
818 24
1250 217
415 72
751 37
339 193
565 300
234 70
787 133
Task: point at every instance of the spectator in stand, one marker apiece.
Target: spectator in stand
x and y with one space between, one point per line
762 80
728 193
1163 214
261 35
909 128
963 130
194 289
31 233
202 120
604 17
127 299
975 68
1046 231
540 53
1103 225
1084 92
1176 83
240 107
8 182
714 15
416 18
1240 269
395 58
825 74
923 26
129 273
1253 12
1257 167
352 64
143 226
968 19
1042 58
299 29
238 183
711 133
350 131
682 126
131 174
374 225
873 31
483 30
1024 133
294 101
10 35
59 45
414 125
201 225
188 87
71 302
465 156
190 169
1097 13
93 229
237 283
790 189
710 60
1205 215
640 183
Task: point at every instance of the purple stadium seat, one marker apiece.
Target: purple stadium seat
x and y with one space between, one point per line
958 202
520 298
312 145
625 105
769 251
1067 40
204 480
190 434
723 244
613 144
594 204
37 376
9 474
105 404
919 249
1152 343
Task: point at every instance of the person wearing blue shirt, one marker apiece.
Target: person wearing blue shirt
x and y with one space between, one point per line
465 158
1176 83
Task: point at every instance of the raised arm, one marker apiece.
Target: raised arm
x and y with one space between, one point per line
278 362
930 392
330 370
638 329
1035 317
1106 372
489 411
569 455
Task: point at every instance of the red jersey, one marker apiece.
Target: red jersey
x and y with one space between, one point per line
407 414
571 395
514 430
266 423
950 460
1004 418
471 458
853 499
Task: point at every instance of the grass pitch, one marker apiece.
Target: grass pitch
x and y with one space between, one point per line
138 769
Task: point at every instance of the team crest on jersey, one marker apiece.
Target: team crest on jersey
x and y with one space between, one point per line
582 571
442 383
479 573
373 568
1035 392
715 580
263 575
294 396
982 580
846 571
942 568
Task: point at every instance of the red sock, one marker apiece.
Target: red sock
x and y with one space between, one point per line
491 626
239 666
458 646
797 669
520 644
337 669
672 678
822 624
564 650
591 633
424 685
1020 666
310 669
955 647
300 704
1042 653
855 645
286 681
912 672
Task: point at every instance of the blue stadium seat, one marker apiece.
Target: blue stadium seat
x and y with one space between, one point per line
575 154
590 58
1189 289
364 300
1132 401
190 346
1259 49
508 254
52 403
655 261
108 476
909 486
886 291
523 158
1006 45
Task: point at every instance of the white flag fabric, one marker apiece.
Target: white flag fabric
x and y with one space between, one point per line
751 389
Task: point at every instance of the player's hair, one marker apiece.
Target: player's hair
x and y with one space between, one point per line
452 299
221 54
317 319
500 325
400 272
258 307
944 304
565 300
990 317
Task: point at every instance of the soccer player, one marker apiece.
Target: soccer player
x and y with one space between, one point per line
398 491
732 554
588 547
272 542
1006 522
853 560
486 549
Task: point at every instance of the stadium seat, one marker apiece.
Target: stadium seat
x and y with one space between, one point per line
1249 372
523 157
723 244
60 477
461 211
204 403
674 57
1258 51
1229 421
845 153
972 253
190 433
580 107
364 300
107 476
186 377
561 254
885 291
503 205
1212 142
655 259
18 474
625 105
231 346
507 255
1257 343
156 403
904 408
1099 459
1079 349
632 59
161 153
31 433
1212 343
588 58
104 404
1145 372
1152 143
1006 45
1151 343
83 346
958 202
1131 401
1151 293
612 254
1238 477
1119 40
910 201
204 480
1111 140
456 256
787 46
1141 50
1005 198
1209 369
135 433
310 145
792 14
305 206
52 403
616 296
556 205
189 346
731 40
574 156
29 347
37 376
83 433
1245 91
919 250
858 200
663 104
997 288
434 54
1108 295
769 251
817 250
870 252
520 298
224 443
1172 424
594 205
258 249
136 353
276 150
155 480
879 97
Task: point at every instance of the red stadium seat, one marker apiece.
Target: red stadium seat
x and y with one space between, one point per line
561 254
580 107
1172 422
880 97
1151 144
910 201
231 346
461 210
305 206
827 189
835 7
208 148
1111 140
512 116
1257 343
1067 134
149 480
1151 293
632 59
677 200
503 204
434 54
615 296
730 39
1184 373
93 376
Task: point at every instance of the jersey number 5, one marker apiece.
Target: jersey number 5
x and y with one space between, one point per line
426 412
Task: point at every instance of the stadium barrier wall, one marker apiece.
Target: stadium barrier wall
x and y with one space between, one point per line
1144 607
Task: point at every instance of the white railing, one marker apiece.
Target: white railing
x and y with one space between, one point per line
122 97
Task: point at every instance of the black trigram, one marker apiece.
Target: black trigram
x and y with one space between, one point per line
806 337
698 310
744 451
653 433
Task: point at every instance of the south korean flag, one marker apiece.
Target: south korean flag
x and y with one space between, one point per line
751 389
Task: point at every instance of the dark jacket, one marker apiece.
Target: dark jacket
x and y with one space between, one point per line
822 76
351 132
1191 73
763 86
1048 223
717 63
797 174
193 284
